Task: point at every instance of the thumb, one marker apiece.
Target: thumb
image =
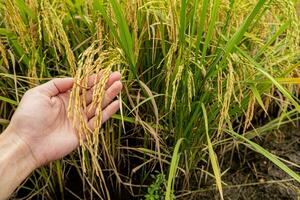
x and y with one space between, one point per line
56 86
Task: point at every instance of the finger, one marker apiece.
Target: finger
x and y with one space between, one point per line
109 95
106 113
93 79
56 86
115 76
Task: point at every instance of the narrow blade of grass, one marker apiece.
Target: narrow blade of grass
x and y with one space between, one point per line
258 97
211 28
212 156
5 99
4 122
267 154
288 80
201 26
182 22
172 171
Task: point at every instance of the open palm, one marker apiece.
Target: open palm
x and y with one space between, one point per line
41 120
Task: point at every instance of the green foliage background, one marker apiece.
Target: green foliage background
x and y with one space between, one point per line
236 60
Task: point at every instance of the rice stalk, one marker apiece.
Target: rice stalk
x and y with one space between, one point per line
13 20
56 34
227 97
3 54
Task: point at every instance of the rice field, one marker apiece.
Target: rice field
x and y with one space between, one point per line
201 78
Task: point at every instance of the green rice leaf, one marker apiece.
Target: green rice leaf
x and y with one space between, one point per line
182 22
267 154
172 170
212 155
258 97
201 26
5 99
211 28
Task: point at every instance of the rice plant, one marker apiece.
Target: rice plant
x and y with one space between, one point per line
198 76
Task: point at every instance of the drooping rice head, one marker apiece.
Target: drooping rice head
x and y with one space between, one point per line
93 61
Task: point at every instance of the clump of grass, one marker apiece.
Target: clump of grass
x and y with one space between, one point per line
196 71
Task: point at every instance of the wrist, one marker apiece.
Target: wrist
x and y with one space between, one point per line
18 148
16 163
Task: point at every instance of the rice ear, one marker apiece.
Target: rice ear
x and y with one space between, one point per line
93 61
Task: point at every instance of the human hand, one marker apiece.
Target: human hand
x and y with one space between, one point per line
41 122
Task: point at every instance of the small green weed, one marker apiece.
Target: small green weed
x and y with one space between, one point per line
156 191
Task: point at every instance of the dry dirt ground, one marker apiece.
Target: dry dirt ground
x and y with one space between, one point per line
253 177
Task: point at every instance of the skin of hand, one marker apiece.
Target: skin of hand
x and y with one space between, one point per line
40 130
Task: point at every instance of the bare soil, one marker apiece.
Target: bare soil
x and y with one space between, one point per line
253 177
